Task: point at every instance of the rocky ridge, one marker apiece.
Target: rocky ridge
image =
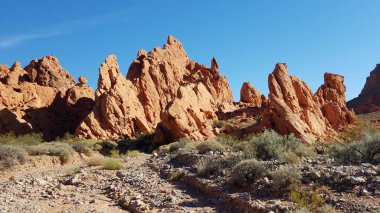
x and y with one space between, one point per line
368 100
166 94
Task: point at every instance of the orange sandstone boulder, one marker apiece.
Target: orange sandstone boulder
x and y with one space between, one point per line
49 72
249 94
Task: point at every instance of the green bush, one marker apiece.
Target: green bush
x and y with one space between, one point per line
272 146
109 145
82 147
63 150
283 178
112 164
246 172
208 146
364 150
11 155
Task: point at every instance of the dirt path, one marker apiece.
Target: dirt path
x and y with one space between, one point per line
77 188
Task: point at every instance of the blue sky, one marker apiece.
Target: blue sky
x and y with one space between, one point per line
246 37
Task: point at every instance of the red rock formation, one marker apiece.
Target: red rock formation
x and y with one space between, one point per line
118 113
150 94
249 94
191 114
332 99
27 107
292 108
369 98
49 72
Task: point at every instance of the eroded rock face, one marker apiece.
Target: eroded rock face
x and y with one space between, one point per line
369 98
191 114
292 107
49 72
332 99
249 94
27 107
151 93
118 113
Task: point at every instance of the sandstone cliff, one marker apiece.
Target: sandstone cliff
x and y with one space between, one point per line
369 98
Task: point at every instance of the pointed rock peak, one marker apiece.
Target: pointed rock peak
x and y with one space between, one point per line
111 60
141 52
281 67
16 66
173 42
214 65
109 75
249 94
333 80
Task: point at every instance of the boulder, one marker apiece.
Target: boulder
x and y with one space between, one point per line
249 94
49 72
369 98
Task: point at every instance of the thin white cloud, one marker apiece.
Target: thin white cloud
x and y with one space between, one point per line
63 28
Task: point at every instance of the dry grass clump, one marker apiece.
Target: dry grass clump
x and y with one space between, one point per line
132 153
365 150
283 178
208 146
11 155
112 164
246 172
27 139
95 161
307 200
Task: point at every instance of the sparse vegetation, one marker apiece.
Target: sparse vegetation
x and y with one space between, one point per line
308 201
115 153
63 150
218 124
283 178
365 150
246 172
96 161
112 164
272 146
208 146
176 175
132 153
11 155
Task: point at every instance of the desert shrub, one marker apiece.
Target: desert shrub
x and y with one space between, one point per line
95 161
109 145
308 200
208 146
283 178
176 175
82 147
132 153
364 150
73 170
272 146
63 150
218 124
114 153
182 144
27 139
246 172
11 155
207 167
359 131
112 164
